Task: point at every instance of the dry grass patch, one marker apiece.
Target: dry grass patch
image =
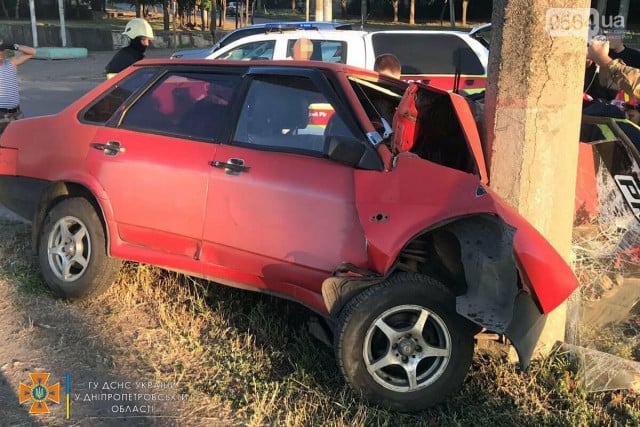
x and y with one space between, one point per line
247 359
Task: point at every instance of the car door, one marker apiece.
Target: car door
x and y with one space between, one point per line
154 164
280 215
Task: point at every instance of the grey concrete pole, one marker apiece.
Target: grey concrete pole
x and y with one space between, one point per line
533 109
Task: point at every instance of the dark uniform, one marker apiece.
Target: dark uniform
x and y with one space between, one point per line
126 56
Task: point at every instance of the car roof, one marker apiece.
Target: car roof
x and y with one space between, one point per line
227 63
319 34
313 33
262 30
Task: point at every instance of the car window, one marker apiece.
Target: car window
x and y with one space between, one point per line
324 50
439 53
379 99
288 114
106 105
192 105
262 49
240 33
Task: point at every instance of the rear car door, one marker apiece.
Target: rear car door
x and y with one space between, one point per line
280 214
153 161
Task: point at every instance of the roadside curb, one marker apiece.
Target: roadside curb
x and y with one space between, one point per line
60 53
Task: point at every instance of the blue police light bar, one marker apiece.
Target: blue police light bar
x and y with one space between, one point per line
299 25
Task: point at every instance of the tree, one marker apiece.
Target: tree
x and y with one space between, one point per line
412 12
623 10
602 7
4 9
465 4
395 10
165 14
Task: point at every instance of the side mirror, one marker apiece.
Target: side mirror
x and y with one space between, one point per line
346 150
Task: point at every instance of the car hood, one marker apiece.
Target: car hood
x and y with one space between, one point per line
392 213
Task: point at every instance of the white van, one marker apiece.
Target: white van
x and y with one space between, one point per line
433 57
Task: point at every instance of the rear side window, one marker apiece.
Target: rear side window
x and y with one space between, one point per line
324 50
190 105
429 53
106 106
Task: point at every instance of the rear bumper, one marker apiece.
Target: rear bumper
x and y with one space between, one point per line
21 194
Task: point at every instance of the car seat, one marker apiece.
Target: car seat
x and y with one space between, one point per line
277 123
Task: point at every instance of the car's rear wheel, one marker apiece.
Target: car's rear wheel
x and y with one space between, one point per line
72 251
402 345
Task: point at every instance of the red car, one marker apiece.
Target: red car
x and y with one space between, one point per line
379 219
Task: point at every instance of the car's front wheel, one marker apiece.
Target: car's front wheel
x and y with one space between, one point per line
402 345
72 251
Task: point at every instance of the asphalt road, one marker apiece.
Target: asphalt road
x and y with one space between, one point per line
47 86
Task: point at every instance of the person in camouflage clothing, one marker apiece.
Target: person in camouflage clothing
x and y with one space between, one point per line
614 73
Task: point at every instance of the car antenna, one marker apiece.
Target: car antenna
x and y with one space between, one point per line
458 74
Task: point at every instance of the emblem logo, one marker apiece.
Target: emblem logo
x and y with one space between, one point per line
40 393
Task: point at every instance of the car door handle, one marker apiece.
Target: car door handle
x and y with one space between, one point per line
111 148
232 166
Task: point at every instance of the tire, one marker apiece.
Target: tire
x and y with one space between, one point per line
397 305
72 251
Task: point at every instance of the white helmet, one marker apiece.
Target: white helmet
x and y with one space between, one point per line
138 27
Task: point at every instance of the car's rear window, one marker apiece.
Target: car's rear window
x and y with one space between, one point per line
106 106
429 53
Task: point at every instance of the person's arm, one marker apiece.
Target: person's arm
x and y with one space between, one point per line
617 50
27 52
622 76
614 71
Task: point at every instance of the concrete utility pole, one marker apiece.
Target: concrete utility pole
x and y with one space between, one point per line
532 116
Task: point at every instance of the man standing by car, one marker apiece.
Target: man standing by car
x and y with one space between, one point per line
9 90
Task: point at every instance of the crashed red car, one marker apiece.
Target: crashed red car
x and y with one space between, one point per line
375 214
